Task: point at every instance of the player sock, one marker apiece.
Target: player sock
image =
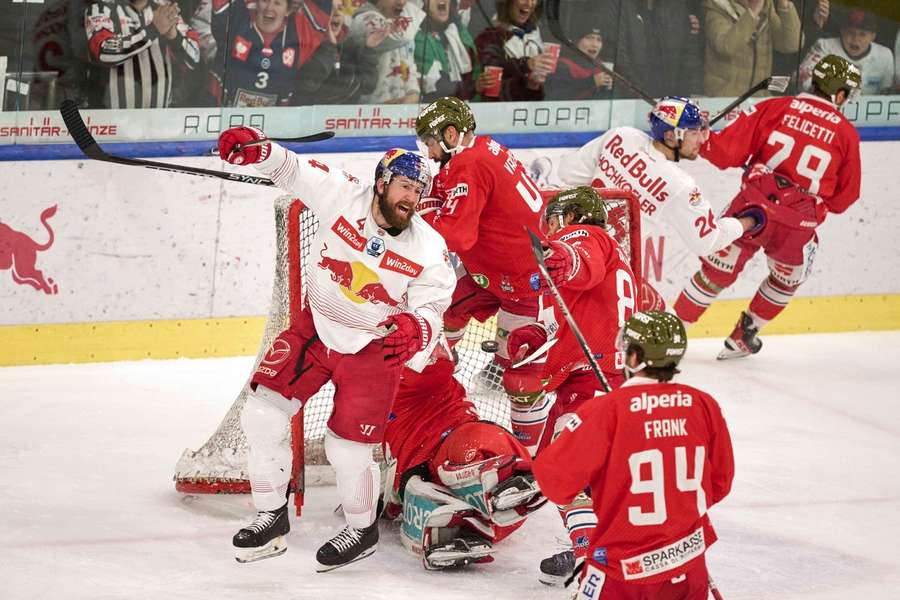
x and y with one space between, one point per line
770 299
529 420
695 298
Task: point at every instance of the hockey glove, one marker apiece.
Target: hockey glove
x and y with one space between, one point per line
408 333
562 262
233 146
525 339
758 214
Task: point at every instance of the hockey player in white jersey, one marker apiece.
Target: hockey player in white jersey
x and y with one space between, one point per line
378 281
628 158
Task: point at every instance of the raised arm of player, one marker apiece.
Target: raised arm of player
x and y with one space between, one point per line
583 447
465 192
589 267
578 167
323 189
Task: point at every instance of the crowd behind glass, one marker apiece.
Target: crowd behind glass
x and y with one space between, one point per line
171 53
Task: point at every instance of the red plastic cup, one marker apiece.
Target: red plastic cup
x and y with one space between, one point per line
552 50
493 90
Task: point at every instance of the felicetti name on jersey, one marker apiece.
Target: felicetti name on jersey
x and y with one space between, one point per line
616 165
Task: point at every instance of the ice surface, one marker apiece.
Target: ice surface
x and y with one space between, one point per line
89 509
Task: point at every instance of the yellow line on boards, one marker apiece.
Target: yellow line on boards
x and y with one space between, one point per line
129 340
240 336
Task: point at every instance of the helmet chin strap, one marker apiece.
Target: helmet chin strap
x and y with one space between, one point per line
459 146
630 371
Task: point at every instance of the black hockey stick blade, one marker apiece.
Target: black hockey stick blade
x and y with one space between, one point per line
537 248
89 146
553 22
773 83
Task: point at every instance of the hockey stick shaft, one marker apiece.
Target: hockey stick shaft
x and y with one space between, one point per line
89 146
713 589
538 250
556 29
773 83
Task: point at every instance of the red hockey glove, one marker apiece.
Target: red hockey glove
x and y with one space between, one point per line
758 214
524 340
411 334
562 262
232 146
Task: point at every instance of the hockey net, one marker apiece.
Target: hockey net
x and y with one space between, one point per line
220 465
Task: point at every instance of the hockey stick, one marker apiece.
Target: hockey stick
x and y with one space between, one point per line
552 8
713 589
538 251
773 83
89 146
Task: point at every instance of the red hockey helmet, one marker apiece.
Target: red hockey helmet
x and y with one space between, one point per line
477 441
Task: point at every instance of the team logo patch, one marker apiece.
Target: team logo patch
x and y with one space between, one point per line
600 555
287 57
277 353
535 281
375 246
461 189
696 197
480 280
241 48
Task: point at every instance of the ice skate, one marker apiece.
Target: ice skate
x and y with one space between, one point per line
558 568
264 538
459 552
743 341
349 546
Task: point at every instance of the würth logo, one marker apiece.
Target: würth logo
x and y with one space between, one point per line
394 262
345 231
18 252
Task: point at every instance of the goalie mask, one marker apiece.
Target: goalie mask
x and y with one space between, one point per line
584 202
474 442
660 337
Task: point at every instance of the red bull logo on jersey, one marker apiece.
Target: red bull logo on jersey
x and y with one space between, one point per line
18 253
358 283
616 164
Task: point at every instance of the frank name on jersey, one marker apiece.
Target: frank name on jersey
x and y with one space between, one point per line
662 428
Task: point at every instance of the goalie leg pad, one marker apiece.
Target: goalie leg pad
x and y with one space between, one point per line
357 476
432 520
266 419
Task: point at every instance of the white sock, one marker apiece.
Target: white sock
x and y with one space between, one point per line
357 478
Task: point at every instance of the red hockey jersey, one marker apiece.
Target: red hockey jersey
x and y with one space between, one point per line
489 199
601 297
428 406
805 138
656 456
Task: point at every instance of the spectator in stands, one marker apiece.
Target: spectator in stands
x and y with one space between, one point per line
857 44
514 44
741 36
656 45
446 56
60 46
814 18
389 27
201 22
897 61
577 78
131 45
268 51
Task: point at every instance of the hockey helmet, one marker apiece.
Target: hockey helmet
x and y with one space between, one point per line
834 73
675 113
660 336
398 161
584 201
442 113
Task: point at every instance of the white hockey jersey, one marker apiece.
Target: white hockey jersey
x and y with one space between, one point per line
357 274
625 158
876 66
